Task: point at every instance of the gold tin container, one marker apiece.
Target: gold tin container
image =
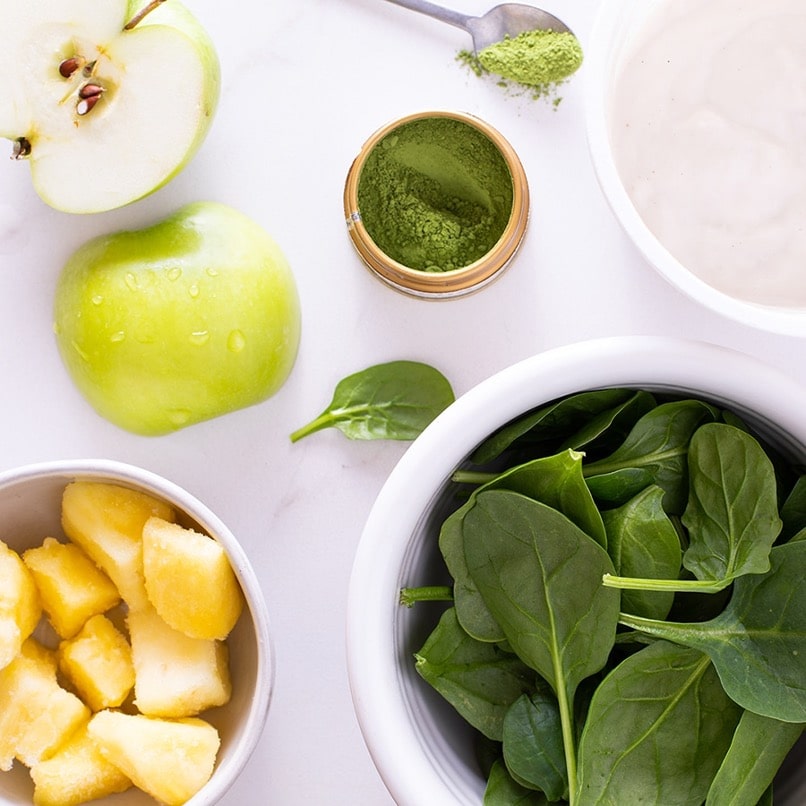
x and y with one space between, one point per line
439 284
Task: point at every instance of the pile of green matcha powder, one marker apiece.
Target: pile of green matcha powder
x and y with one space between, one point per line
539 59
435 194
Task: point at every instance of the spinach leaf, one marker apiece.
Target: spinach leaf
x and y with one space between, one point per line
610 427
767 798
758 643
793 510
554 480
732 512
540 576
503 790
533 743
549 422
655 451
396 400
477 679
658 728
643 542
758 749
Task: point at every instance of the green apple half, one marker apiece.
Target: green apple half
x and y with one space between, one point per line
103 113
186 320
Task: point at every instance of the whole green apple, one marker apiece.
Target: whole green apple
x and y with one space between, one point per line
105 99
186 320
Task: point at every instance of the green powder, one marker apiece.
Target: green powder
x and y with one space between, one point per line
537 61
435 194
534 57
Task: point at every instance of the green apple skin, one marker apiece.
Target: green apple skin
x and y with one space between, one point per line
186 320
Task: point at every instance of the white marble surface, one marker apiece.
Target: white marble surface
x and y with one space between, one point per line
304 84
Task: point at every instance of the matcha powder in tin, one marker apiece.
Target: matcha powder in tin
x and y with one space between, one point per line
435 194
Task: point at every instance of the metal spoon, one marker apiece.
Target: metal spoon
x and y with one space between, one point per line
507 19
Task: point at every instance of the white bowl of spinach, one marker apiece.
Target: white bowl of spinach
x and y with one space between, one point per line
583 583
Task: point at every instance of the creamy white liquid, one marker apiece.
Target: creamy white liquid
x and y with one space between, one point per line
708 125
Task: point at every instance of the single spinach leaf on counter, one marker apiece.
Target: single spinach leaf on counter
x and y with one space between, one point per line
555 480
533 743
655 452
477 679
732 512
658 728
643 542
540 576
756 752
550 422
396 400
758 643
503 790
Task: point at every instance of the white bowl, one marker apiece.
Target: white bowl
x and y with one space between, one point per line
616 22
30 506
421 748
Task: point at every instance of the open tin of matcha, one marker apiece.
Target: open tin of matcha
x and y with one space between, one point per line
436 204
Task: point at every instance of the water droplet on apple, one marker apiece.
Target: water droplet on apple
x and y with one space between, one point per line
82 354
174 273
117 336
236 341
200 337
131 281
179 417
97 299
194 290
211 272
144 337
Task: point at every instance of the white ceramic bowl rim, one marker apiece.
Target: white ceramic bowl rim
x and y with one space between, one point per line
109 470
612 21
402 748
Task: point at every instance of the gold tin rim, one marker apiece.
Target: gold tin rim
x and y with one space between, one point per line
449 283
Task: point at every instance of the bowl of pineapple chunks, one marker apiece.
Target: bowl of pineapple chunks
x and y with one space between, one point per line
136 664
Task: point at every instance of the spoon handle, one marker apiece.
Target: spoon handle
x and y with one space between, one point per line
438 12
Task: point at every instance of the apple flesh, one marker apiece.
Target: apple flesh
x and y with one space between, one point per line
180 322
103 114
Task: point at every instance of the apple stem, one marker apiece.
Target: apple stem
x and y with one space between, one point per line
138 17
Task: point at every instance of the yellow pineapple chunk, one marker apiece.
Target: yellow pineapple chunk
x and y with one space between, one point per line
36 714
175 675
71 586
170 760
20 605
98 662
106 520
189 580
76 773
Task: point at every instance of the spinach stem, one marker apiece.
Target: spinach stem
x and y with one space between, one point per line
472 477
569 741
681 585
428 593
322 421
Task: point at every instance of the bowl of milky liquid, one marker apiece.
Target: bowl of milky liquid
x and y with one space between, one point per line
697 130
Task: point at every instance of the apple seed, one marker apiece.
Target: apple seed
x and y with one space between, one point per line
22 148
90 91
69 66
86 104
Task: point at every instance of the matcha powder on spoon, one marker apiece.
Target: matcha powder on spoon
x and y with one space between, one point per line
539 59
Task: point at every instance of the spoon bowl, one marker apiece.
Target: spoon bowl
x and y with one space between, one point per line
502 21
